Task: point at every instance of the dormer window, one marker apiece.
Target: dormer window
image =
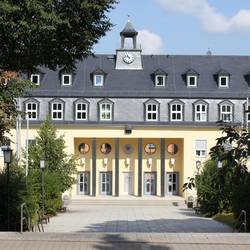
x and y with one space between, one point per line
223 81
66 80
151 111
226 111
176 110
98 80
222 78
160 80
192 81
35 78
191 78
106 110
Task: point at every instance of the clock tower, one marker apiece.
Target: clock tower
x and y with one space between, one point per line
128 58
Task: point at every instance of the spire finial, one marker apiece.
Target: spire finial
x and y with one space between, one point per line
128 17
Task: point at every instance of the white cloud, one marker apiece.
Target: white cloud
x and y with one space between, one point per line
150 42
210 18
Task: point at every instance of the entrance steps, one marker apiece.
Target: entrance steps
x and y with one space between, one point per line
129 201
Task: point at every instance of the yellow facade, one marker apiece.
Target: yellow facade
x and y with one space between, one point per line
183 163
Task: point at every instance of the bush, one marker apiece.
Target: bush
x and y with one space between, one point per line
214 188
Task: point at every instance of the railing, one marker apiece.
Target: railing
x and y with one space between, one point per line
22 218
243 223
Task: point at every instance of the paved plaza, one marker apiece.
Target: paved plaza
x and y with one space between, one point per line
129 218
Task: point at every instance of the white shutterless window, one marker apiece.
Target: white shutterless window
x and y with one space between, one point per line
200 148
176 112
226 113
35 78
32 110
81 111
57 111
200 112
151 112
105 112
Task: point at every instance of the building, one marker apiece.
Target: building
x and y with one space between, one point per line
141 124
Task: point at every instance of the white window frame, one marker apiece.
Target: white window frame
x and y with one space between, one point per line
157 80
95 80
104 111
63 80
31 111
56 111
189 80
226 113
152 112
38 79
202 114
176 112
200 152
81 112
220 81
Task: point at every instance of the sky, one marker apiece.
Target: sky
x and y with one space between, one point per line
182 27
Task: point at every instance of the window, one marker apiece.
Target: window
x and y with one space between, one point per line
200 112
160 80
57 111
98 80
151 112
35 79
32 110
226 113
66 80
176 112
1 152
81 111
105 111
192 81
200 148
223 81
31 142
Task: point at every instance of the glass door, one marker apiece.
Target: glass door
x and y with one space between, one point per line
149 183
106 183
83 183
172 183
128 183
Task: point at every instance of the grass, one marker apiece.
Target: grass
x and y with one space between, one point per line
226 218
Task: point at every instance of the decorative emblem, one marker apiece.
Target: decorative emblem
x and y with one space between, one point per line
128 149
150 148
83 148
128 58
106 148
172 149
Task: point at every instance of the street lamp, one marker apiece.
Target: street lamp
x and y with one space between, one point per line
42 167
7 153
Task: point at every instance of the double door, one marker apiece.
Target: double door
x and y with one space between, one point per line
172 183
83 183
150 183
128 183
106 183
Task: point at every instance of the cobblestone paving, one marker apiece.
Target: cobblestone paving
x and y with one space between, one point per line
147 219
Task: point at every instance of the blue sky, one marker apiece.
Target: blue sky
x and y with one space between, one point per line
183 26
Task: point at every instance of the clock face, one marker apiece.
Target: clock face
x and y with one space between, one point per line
128 58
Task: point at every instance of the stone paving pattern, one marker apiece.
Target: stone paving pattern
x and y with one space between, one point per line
105 218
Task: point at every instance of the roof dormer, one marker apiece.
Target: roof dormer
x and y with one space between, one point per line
98 77
222 77
191 77
159 78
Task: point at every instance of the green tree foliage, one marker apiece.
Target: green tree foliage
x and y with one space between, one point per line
58 177
50 33
59 167
9 90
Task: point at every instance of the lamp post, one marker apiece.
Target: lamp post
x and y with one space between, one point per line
7 152
42 167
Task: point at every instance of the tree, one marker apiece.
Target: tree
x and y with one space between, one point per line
51 33
10 87
59 167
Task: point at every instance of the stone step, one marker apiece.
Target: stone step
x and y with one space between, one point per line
134 202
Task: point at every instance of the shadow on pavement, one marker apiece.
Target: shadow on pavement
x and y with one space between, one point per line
120 242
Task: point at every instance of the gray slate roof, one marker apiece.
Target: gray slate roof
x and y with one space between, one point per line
139 83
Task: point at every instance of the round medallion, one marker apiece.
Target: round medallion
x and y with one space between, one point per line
128 149
150 148
172 149
83 148
106 148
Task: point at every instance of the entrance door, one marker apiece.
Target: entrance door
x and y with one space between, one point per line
172 183
149 183
106 183
128 183
83 183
